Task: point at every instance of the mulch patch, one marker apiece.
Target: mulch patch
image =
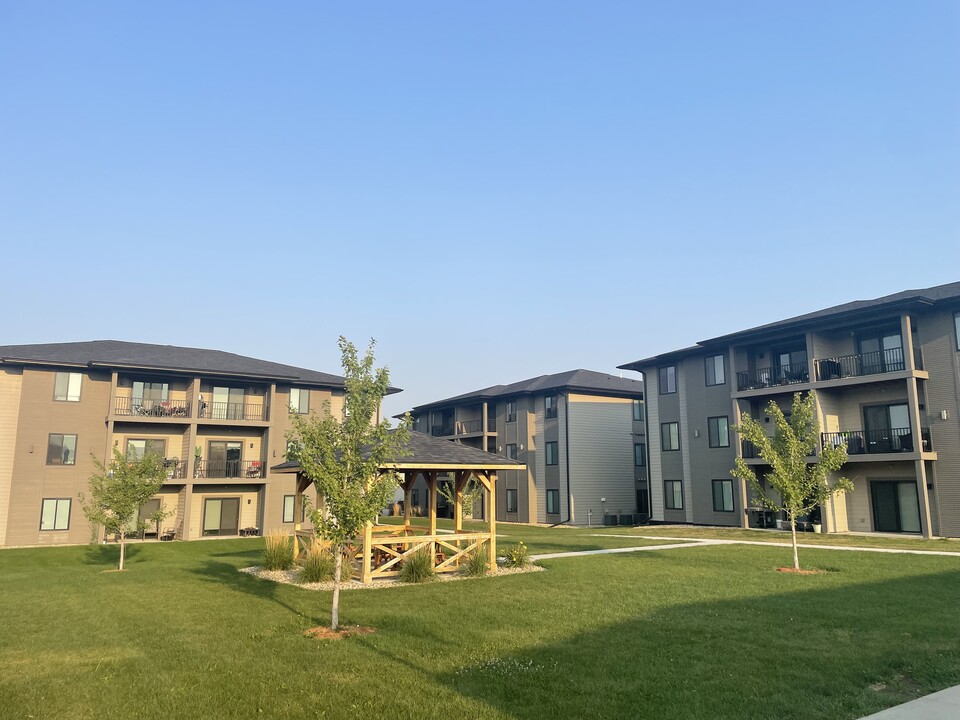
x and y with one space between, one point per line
325 633
798 572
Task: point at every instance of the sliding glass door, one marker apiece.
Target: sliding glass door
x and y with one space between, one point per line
896 507
221 516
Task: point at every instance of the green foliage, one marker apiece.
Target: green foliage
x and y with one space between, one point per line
418 567
800 484
278 551
517 555
472 491
316 565
477 563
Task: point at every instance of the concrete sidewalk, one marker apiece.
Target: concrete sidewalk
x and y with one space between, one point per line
943 705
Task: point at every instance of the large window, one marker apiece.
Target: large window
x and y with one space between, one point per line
512 451
553 502
511 501
715 371
668 379
288 504
673 494
67 387
55 514
138 449
61 449
550 406
640 454
638 410
718 431
723 495
299 401
552 453
669 436
512 411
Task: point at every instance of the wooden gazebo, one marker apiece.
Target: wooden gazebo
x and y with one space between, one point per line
383 548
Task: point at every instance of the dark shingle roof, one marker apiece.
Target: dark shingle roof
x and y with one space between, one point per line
115 353
584 380
949 292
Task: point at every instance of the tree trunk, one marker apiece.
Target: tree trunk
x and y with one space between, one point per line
122 547
337 567
793 531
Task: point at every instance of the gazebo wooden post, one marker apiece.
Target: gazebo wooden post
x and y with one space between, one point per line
432 484
460 483
366 570
492 479
409 478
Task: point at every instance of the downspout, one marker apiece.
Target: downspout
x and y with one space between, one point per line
566 424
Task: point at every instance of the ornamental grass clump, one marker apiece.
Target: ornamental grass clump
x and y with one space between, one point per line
517 555
418 568
476 564
317 564
278 553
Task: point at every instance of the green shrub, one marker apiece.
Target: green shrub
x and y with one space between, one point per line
476 564
418 567
278 554
517 555
316 565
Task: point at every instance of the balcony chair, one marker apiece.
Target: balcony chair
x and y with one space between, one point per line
254 469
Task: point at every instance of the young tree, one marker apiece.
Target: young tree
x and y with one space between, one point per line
118 490
472 491
343 458
801 485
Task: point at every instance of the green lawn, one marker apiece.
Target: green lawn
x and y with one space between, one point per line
705 632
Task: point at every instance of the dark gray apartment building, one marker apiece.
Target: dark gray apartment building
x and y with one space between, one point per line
887 377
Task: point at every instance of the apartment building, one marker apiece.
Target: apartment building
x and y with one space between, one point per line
886 376
580 434
219 420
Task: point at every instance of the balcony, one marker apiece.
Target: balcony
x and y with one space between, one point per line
231 411
748 450
141 407
465 427
492 423
441 430
870 442
235 469
871 363
176 469
791 374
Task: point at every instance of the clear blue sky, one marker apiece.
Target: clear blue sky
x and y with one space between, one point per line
492 190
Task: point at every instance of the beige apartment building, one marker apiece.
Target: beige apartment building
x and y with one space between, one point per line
219 420
580 434
887 377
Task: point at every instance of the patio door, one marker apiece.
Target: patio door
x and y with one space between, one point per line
882 353
896 507
227 403
221 516
887 428
224 458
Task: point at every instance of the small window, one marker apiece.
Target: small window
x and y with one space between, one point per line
669 436
512 451
673 494
552 453
550 406
718 432
553 502
723 495
512 411
668 380
715 372
288 505
55 514
640 454
67 387
511 501
61 449
638 410
299 401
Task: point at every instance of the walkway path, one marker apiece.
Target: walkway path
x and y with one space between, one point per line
943 705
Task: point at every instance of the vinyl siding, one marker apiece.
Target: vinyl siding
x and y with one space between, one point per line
10 384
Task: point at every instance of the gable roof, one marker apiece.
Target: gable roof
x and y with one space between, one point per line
116 354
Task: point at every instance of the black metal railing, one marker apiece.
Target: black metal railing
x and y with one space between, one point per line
871 363
230 469
791 374
917 358
469 426
142 407
441 430
550 413
748 450
869 442
231 411
492 424
176 469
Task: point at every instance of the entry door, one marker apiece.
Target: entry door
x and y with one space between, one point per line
896 507
225 458
221 516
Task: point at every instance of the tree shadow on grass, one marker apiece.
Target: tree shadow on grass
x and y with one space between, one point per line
109 555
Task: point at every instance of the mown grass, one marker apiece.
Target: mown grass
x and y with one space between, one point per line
706 632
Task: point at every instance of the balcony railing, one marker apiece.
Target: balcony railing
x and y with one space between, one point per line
176 469
793 373
492 423
871 363
748 450
230 469
142 407
441 430
231 411
868 442
469 426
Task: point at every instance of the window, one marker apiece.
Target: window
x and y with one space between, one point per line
718 432
512 451
673 494
61 449
55 514
67 387
512 411
639 454
714 369
669 436
288 505
550 406
511 501
668 380
299 401
553 502
552 453
638 410
137 449
956 326
723 495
